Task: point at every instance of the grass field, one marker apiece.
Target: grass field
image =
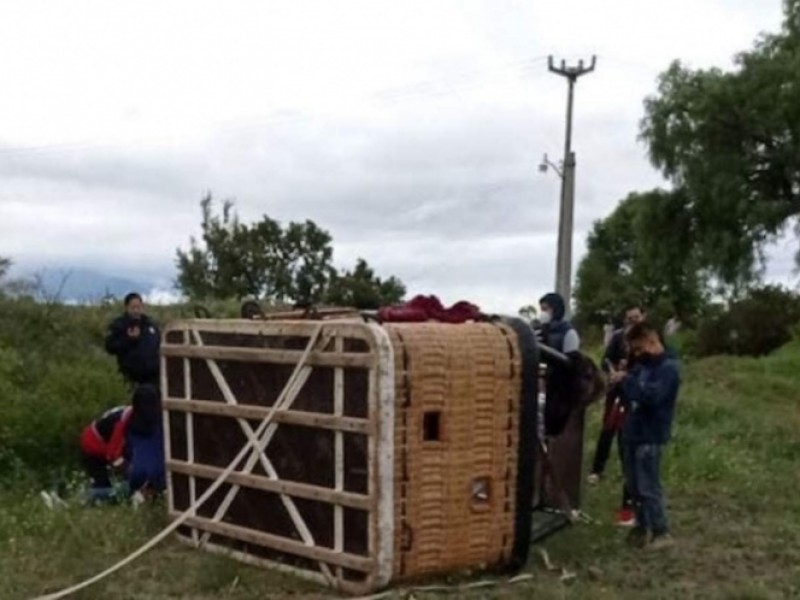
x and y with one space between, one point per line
732 476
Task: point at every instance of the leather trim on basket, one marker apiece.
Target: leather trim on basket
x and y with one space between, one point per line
527 441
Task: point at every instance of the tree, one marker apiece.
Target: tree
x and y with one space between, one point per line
307 258
643 252
17 286
362 289
234 260
5 265
261 260
269 262
731 142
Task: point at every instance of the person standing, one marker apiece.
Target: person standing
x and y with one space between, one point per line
615 359
649 394
135 340
557 331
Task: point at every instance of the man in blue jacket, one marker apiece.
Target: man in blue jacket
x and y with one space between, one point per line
649 392
135 340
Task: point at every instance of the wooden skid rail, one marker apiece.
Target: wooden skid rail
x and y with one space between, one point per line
286 328
268 355
348 587
289 417
281 544
259 482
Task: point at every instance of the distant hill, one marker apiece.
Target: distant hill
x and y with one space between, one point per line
85 285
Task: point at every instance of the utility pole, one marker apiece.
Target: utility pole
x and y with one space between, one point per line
567 212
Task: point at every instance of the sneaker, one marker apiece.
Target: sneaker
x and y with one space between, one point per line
138 499
47 499
661 542
625 517
593 478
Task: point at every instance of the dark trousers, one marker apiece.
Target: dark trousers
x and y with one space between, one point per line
643 479
601 454
97 468
607 434
605 441
603 449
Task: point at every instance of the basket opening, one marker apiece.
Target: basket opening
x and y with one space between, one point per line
481 491
432 426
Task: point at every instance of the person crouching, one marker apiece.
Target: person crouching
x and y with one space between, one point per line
128 440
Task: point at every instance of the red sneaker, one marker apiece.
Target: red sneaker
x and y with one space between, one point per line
625 517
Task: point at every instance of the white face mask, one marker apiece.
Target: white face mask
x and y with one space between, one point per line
545 317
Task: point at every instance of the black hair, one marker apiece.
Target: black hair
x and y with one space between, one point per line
556 302
131 297
634 306
146 413
641 331
251 310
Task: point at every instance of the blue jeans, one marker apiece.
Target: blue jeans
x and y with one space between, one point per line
642 464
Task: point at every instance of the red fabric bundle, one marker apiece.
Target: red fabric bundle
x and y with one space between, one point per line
429 308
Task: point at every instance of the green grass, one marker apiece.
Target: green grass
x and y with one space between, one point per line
732 480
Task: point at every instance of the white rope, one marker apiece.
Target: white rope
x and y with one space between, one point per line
248 447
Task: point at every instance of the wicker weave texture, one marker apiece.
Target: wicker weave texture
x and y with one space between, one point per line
456 440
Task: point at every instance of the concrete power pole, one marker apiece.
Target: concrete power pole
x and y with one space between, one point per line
567 212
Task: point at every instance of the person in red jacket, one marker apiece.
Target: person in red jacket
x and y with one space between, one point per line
127 439
103 446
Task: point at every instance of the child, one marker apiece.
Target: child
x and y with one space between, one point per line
123 434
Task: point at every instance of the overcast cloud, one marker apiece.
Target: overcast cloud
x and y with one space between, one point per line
410 130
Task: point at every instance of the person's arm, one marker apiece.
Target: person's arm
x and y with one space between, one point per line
116 445
117 338
157 332
572 343
653 392
613 353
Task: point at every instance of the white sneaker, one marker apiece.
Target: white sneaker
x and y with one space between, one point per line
48 501
137 500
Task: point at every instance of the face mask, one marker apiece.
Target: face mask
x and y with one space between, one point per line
644 358
545 318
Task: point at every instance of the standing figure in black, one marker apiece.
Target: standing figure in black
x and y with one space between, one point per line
135 340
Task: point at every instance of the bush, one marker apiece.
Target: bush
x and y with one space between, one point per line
54 379
754 326
684 342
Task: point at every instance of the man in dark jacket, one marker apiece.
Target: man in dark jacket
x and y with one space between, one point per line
564 379
649 392
135 340
558 333
615 358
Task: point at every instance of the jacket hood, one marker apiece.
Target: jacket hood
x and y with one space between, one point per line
556 302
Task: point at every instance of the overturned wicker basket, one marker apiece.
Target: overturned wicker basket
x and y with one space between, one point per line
393 450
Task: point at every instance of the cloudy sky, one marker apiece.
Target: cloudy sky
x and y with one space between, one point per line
411 130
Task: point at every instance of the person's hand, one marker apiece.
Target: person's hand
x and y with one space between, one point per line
616 377
134 331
